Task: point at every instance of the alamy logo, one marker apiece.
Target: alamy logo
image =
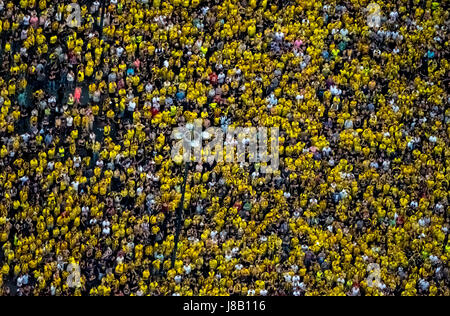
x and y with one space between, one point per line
374 278
74 278
235 144
74 15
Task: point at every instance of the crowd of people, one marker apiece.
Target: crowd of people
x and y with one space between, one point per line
90 95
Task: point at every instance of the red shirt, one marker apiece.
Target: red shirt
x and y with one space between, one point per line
213 78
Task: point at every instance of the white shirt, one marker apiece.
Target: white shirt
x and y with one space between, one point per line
119 51
69 121
75 185
187 269
287 278
131 106
19 282
26 20
24 35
